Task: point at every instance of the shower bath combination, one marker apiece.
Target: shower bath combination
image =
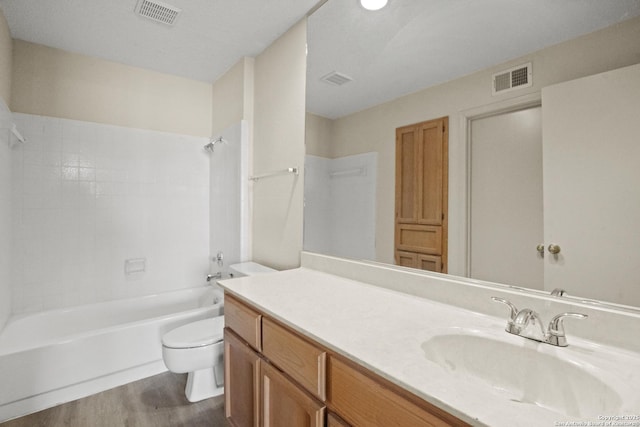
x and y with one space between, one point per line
212 143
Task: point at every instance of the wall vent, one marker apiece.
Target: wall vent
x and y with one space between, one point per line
514 78
336 79
157 11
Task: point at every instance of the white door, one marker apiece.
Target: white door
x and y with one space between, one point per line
592 185
506 222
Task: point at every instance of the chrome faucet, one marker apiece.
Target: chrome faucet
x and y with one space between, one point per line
526 317
519 320
218 275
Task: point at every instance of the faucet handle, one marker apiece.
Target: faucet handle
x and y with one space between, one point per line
555 330
514 309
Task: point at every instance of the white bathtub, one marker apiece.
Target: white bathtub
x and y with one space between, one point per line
61 355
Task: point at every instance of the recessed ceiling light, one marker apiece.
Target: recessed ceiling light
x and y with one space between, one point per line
373 4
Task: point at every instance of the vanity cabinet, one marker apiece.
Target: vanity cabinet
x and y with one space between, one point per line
421 195
285 379
272 377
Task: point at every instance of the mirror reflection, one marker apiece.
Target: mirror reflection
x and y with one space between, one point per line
515 190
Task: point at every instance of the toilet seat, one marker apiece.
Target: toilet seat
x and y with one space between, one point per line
196 334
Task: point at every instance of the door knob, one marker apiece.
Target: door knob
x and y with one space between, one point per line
540 248
554 249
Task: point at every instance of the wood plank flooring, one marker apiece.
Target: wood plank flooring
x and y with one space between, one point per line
157 401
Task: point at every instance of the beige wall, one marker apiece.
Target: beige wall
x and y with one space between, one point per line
374 129
278 143
6 59
233 96
55 83
318 136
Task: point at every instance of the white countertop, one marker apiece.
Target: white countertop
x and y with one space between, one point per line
384 330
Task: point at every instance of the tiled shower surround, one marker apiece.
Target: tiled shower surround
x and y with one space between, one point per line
87 197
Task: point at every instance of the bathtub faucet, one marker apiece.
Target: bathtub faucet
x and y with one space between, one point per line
218 275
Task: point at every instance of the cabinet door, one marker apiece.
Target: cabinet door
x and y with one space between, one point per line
285 404
430 263
241 379
407 259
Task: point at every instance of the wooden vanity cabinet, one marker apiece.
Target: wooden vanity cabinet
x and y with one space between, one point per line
283 379
271 374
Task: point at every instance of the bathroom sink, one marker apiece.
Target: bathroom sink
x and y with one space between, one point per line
524 371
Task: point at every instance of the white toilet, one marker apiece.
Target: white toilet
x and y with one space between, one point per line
197 348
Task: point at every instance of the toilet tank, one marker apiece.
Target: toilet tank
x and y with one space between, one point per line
249 269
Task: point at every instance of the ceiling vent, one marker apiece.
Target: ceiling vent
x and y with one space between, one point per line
157 11
336 79
514 78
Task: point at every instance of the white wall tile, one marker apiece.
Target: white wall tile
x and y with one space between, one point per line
88 196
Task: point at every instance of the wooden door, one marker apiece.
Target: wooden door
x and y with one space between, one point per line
285 404
242 379
422 195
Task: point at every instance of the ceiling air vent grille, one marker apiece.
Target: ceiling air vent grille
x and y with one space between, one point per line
336 78
157 11
514 78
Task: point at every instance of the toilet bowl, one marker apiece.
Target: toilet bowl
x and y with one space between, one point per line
197 349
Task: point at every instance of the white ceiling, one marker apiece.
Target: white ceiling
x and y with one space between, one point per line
414 44
209 36
409 45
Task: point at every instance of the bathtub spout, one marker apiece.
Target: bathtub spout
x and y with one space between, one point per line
210 277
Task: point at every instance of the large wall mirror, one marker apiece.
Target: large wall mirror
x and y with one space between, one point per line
369 73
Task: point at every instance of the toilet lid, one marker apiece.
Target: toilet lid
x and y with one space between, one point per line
195 334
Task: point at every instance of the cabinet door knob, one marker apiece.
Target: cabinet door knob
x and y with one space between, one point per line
554 249
540 248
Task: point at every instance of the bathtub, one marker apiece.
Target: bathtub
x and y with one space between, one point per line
56 356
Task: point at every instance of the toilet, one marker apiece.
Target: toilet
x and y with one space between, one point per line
197 348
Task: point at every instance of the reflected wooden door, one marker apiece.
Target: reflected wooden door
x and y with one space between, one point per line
422 195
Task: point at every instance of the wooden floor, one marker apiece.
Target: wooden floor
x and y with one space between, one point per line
157 401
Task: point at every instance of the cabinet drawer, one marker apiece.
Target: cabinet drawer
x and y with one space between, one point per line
364 401
419 238
243 320
301 360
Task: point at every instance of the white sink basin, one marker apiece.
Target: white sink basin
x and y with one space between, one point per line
525 372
